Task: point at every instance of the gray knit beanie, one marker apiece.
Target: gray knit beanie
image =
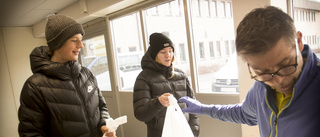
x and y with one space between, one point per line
159 41
59 29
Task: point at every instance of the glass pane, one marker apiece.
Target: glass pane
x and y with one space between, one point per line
215 56
175 30
94 57
127 41
306 18
213 8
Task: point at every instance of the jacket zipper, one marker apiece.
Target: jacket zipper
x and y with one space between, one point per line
82 102
275 122
271 122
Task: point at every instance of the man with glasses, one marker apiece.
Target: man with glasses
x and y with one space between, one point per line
284 101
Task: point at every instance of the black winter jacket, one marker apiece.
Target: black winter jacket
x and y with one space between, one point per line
60 100
154 80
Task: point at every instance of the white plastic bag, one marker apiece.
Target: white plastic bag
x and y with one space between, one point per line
175 123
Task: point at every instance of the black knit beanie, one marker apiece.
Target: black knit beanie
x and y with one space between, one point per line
158 41
59 29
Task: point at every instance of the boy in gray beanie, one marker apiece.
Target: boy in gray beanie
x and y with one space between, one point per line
59 29
61 98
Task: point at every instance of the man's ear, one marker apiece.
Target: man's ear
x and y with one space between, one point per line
299 41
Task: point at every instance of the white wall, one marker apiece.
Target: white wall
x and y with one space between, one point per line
244 78
15 47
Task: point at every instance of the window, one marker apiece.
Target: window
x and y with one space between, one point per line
182 53
132 49
233 46
226 44
167 8
211 48
126 38
153 11
229 10
94 57
223 9
297 16
177 7
212 75
176 31
206 8
218 48
201 50
196 7
308 23
214 8
313 16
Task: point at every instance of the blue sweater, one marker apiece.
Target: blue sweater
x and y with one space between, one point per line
301 116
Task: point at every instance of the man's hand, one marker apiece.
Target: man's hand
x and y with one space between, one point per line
105 133
193 106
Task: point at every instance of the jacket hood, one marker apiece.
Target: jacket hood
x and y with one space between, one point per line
41 62
309 70
148 62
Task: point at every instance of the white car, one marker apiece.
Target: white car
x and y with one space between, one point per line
226 78
128 65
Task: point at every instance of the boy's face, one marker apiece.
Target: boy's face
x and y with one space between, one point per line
282 55
69 51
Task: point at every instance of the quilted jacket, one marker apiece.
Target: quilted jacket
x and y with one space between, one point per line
154 80
60 100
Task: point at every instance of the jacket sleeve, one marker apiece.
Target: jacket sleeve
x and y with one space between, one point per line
242 113
145 107
104 112
32 113
193 118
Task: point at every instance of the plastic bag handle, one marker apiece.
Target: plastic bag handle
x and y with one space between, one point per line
173 101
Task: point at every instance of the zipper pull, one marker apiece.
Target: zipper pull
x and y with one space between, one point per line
275 121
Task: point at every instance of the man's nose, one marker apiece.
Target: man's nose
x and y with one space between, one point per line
277 79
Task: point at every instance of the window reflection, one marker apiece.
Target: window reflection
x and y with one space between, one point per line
126 39
94 57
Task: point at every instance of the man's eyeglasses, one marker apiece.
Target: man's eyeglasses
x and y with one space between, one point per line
284 71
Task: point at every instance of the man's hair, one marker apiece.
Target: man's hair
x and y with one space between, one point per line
261 29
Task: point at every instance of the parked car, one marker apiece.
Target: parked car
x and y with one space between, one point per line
128 65
226 78
99 65
87 60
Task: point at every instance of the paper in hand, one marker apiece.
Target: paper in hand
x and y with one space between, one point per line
112 124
